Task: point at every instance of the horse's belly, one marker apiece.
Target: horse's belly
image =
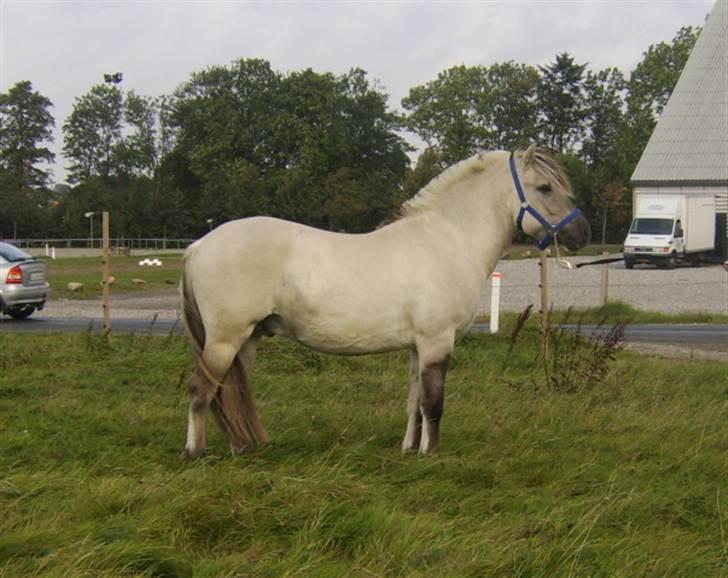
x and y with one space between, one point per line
348 335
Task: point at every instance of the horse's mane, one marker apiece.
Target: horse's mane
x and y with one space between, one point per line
432 193
549 167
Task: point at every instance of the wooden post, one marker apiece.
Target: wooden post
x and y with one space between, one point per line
105 262
605 280
545 304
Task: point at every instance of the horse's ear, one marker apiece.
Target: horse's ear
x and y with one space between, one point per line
529 155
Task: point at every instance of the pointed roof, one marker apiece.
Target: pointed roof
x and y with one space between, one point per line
690 142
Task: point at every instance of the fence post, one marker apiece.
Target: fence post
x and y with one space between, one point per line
545 305
105 274
605 281
495 284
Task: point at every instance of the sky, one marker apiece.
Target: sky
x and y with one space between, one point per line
66 47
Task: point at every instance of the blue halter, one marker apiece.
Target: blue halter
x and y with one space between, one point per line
552 230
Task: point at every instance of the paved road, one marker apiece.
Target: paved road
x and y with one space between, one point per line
79 325
659 333
687 333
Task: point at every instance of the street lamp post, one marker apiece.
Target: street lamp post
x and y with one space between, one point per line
90 217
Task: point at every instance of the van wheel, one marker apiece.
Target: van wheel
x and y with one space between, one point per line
21 312
628 264
672 261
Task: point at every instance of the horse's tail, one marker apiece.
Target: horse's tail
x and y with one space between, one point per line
233 405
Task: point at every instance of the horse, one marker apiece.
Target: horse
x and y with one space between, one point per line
414 283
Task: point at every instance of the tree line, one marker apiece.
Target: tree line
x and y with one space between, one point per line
323 149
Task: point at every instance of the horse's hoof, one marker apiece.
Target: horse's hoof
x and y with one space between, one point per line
191 454
429 450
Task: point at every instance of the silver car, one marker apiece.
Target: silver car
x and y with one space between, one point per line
23 282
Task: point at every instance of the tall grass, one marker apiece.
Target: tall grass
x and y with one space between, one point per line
623 480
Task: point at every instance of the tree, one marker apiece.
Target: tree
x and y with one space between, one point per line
649 87
25 123
467 109
307 146
603 115
139 147
512 111
110 134
449 112
92 133
652 81
561 103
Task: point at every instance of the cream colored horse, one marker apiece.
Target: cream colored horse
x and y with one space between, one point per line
412 284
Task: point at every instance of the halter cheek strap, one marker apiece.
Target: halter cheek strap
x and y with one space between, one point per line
551 230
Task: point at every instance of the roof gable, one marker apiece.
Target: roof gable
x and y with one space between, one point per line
690 141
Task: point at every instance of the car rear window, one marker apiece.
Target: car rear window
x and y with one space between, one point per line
10 253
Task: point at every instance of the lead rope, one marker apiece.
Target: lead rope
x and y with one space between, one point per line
560 261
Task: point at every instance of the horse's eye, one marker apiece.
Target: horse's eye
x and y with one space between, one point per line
544 189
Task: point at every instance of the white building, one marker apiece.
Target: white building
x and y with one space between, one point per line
688 150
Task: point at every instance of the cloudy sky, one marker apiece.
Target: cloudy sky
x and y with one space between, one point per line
65 47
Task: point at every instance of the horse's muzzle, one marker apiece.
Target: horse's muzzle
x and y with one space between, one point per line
576 234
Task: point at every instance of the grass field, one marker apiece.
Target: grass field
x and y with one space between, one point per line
87 270
621 479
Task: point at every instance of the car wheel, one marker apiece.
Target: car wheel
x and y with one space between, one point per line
21 312
628 264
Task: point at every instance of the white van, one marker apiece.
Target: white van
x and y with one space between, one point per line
670 227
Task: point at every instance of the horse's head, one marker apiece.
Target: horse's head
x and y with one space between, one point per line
545 208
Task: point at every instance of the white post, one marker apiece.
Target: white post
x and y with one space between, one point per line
46 250
495 284
53 253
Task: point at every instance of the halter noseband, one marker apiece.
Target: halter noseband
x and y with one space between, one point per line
552 230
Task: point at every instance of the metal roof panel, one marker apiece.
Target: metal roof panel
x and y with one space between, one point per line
690 140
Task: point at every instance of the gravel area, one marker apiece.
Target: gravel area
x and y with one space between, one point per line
146 306
681 290
685 289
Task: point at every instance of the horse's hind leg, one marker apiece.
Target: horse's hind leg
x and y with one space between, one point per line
411 442
202 392
204 384
234 405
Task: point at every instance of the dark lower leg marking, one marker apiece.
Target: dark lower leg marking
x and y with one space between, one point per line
433 400
433 389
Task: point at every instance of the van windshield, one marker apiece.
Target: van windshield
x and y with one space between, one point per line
651 227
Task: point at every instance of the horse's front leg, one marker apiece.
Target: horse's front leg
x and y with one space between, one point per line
201 394
411 442
432 379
